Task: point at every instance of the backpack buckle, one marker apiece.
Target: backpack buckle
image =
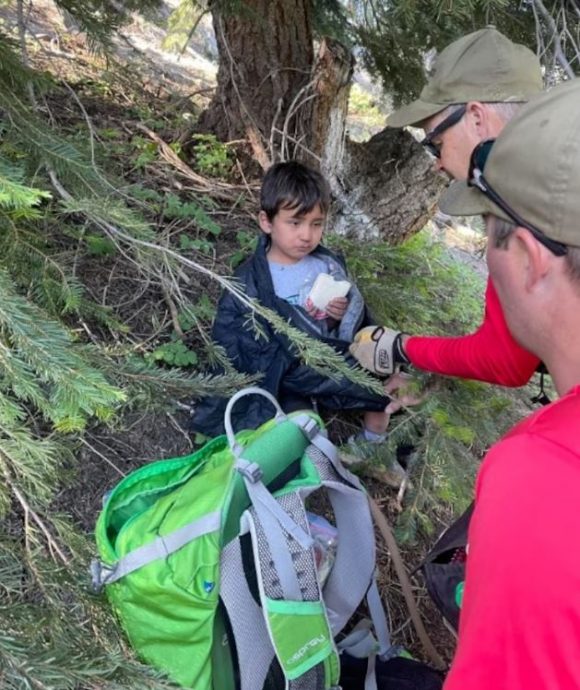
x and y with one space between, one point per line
249 470
100 573
308 426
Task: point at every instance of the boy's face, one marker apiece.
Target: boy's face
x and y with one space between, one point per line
293 234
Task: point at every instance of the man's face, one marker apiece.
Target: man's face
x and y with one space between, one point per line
456 143
507 272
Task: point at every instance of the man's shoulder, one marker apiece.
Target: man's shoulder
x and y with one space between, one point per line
539 441
556 421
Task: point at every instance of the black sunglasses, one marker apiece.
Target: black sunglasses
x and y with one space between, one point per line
449 121
476 179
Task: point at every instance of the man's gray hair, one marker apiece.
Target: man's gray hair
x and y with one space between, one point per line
504 110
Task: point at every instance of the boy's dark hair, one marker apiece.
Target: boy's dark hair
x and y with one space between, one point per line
292 185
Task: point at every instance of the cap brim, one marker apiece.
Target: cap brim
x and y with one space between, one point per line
414 113
461 200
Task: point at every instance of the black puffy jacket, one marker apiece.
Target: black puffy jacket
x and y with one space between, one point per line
282 373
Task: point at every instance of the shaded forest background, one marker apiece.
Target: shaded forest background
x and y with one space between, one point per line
128 183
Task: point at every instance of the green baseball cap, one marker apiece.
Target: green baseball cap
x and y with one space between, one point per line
534 166
483 66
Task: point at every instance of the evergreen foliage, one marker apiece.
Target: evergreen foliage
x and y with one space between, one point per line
53 384
68 361
57 207
392 39
425 290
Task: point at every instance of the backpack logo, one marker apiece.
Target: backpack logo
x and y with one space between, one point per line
314 642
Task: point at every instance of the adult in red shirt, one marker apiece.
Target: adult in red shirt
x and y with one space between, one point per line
479 83
520 622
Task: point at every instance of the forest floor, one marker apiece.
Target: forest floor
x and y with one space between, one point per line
171 92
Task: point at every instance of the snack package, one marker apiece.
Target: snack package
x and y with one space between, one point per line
325 538
325 289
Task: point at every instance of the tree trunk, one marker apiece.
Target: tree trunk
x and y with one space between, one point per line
273 93
384 188
265 62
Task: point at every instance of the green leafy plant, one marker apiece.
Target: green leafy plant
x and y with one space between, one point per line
246 244
147 151
174 207
176 353
212 157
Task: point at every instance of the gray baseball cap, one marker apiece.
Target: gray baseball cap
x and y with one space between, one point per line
483 66
534 166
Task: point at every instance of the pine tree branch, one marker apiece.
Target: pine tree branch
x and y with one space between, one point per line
314 353
28 511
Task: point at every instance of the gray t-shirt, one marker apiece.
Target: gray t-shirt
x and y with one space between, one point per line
293 282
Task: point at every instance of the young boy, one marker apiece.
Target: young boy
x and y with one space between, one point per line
280 274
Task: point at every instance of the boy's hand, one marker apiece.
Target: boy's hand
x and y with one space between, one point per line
313 311
337 307
378 349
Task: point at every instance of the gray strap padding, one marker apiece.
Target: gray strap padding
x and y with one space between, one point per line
250 633
288 572
278 553
379 620
371 674
162 546
355 556
267 507
318 438
330 452
361 642
355 559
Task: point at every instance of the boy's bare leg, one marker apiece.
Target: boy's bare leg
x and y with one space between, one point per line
376 422
396 388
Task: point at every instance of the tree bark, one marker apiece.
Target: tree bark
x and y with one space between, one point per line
265 62
384 188
331 82
272 92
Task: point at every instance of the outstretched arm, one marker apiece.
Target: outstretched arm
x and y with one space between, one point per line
490 354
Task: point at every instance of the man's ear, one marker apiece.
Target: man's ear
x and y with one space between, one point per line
478 119
265 224
536 257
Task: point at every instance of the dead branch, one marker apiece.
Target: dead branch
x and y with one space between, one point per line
217 189
173 312
29 512
555 38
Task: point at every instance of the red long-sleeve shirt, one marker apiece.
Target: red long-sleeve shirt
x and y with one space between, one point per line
520 623
490 354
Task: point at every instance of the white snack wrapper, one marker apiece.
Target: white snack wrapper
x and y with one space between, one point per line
326 288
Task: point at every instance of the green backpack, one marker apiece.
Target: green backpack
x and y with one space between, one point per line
208 560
